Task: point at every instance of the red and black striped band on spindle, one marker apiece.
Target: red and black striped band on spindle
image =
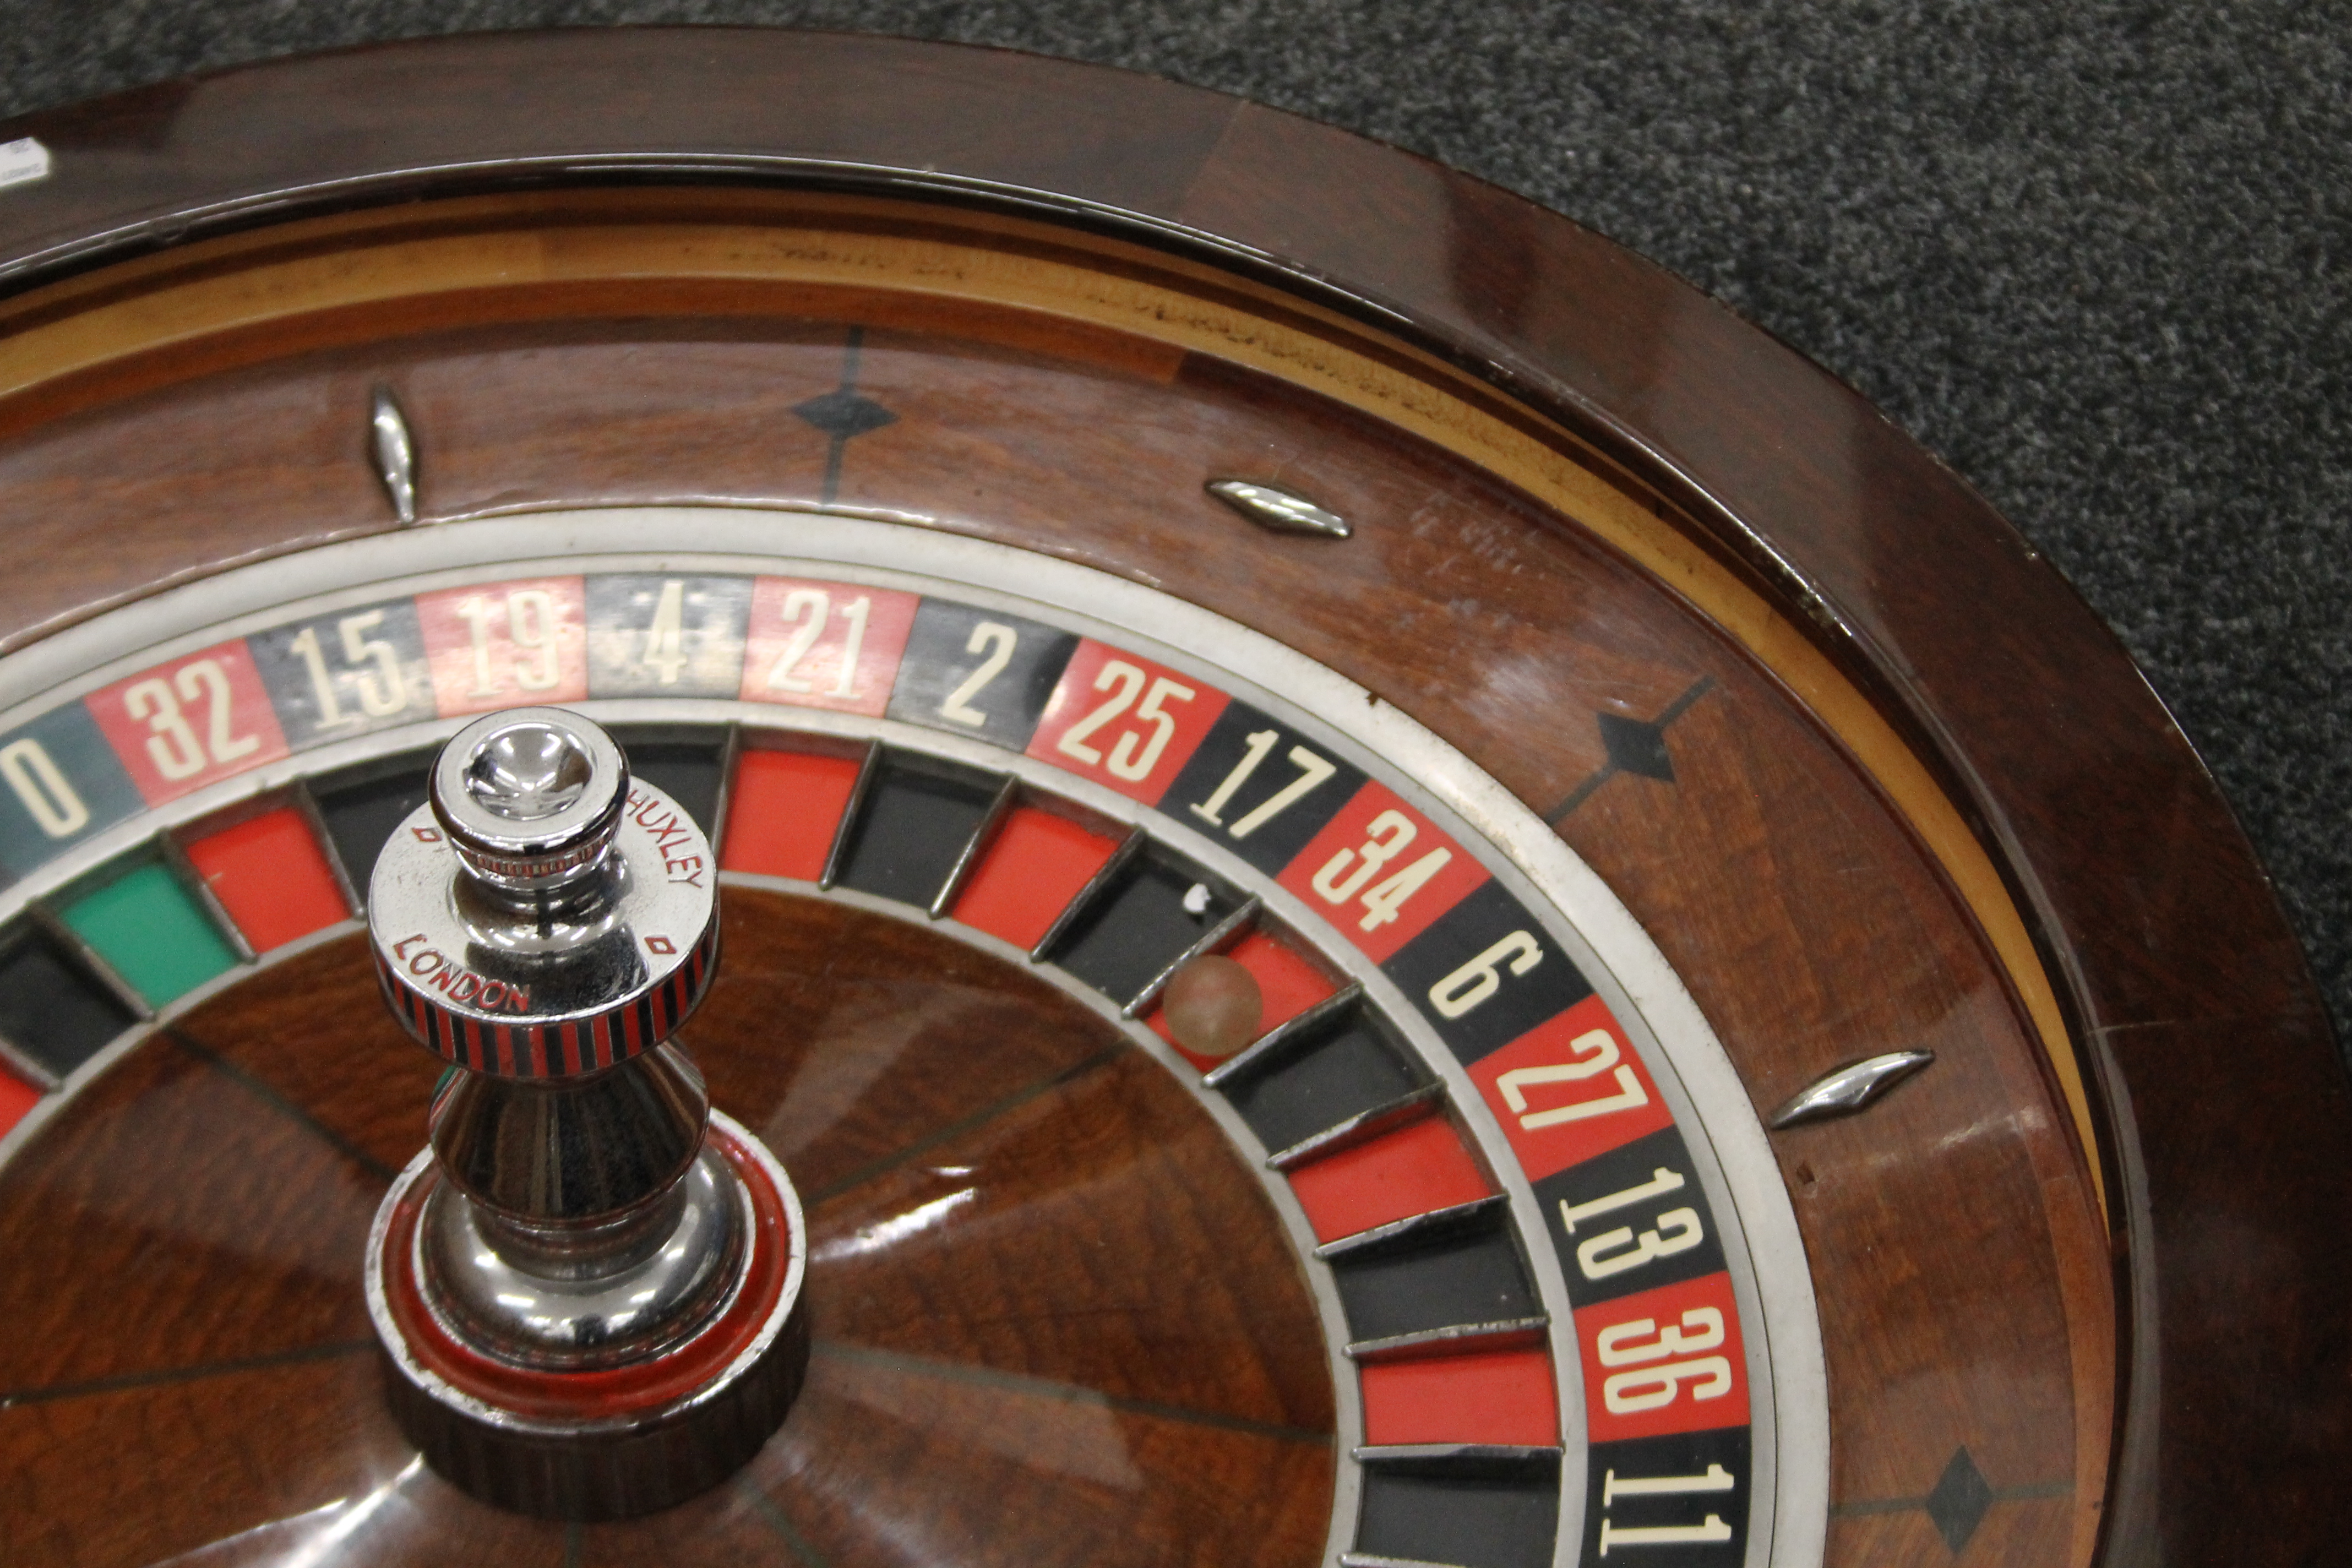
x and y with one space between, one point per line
567 1048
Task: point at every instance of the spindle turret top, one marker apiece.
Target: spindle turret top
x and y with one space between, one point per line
543 914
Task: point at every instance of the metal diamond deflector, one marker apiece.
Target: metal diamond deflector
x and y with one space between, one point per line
1278 510
1850 1089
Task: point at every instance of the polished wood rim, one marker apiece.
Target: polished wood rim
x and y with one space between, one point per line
2164 943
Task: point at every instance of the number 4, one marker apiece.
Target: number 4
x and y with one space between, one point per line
663 655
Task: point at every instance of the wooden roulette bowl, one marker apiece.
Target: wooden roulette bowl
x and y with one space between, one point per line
1594 727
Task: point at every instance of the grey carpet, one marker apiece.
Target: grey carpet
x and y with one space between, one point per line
2098 257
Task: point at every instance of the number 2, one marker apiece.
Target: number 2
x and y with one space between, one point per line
809 608
999 641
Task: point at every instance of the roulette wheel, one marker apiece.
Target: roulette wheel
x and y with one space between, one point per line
1394 894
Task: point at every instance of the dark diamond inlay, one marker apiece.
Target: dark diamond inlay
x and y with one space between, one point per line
1958 1504
843 414
1637 746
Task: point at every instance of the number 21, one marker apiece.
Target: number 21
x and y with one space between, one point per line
806 611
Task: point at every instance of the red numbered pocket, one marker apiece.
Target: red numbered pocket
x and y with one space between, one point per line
181 726
1125 722
1665 1361
1569 1088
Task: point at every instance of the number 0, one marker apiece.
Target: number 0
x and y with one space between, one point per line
42 786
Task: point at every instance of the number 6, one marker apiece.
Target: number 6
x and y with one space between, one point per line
1482 976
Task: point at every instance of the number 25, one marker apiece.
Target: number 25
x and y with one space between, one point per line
1133 754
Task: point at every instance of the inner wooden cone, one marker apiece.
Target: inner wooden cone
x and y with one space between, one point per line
1056 1318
